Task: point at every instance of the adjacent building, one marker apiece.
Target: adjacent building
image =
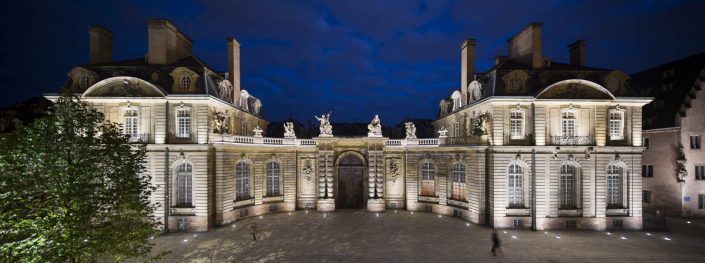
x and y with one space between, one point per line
673 169
531 143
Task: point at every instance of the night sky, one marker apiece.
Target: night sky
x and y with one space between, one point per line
356 58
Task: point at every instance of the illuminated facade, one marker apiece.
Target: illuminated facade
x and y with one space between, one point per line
531 143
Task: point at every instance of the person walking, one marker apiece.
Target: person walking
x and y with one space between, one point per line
253 231
496 246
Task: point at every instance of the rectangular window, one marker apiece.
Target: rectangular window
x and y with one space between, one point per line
515 186
516 125
614 187
456 129
647 170
700 172
183 123
646 198
701 201
616 127
567 187
458 190
273 175
243 128
131 122
568 124
694 141
428 180
646 142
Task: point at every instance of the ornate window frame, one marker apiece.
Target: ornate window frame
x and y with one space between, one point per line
457 170
182 75
178 193
524 187
434 172
576 194
280 178
611 198
248 165
569 115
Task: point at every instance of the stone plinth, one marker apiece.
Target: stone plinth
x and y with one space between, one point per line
326 205
376 205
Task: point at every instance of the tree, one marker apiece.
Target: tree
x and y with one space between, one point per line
73 189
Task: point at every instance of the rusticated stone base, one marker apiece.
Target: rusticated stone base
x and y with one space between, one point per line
376 205
325 205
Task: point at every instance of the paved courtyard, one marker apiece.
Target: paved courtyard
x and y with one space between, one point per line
358 236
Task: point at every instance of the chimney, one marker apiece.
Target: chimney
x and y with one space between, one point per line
234 67
165 43
577 53
467 67
100 47
525 47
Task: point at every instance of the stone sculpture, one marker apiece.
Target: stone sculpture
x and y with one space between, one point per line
444 107
375 127
221 122
410 130
289 130
479 124
442 132
258 131
325 127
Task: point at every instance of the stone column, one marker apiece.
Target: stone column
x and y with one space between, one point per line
376 202
326 201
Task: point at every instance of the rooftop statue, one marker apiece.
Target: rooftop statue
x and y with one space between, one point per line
410 130
325 127
289 130
442 132
375 127
258 131
222 122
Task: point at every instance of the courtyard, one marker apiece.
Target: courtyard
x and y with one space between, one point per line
402 236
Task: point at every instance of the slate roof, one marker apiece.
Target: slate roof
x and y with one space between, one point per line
669 84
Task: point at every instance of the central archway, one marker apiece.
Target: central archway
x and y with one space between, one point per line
351 181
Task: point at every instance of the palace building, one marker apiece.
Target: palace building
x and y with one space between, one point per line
531 143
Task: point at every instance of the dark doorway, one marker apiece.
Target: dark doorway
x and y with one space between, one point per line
351 183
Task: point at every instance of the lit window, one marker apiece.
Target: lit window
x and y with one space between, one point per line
646 197
568 123
273 178
516 125
515 186
614 186
700 172
183 123
456 129
458 190
131 122
567 192
616 125
185 82
428 179
694 141
184 186
242 181
647 170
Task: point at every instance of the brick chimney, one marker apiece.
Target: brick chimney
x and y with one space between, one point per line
467 67
525 47
577 53
234 67
100 47
165 43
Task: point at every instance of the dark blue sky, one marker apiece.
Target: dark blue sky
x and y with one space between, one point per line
356 58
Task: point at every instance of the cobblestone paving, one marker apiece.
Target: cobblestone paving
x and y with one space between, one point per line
358 236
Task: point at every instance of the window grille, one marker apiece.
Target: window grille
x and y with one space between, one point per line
185 82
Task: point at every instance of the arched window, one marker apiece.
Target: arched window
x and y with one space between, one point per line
184 185
428 179
567 187
185 82
242 181
515 186
273 179
614 186
458 189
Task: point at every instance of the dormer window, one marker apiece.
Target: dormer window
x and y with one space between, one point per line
84 82
514 85
457 100
185 82
616 124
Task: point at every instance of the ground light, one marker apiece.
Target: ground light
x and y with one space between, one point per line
514 237
467 224
648 234
377 214
558 237
623 238
666 238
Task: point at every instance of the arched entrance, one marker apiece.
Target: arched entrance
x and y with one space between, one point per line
351 181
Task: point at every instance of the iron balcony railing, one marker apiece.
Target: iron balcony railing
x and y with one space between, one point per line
572 140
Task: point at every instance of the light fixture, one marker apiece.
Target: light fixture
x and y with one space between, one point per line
467 224
377 214
609 234
558 237
439 216
688 222
667 239
648 234
185 240
260 217
289 213
623 238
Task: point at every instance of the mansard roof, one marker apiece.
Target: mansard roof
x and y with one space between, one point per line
159 75
673 87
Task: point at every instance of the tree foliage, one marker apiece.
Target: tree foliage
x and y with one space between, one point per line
73 189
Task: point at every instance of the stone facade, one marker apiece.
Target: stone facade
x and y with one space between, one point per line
674 161
530 144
